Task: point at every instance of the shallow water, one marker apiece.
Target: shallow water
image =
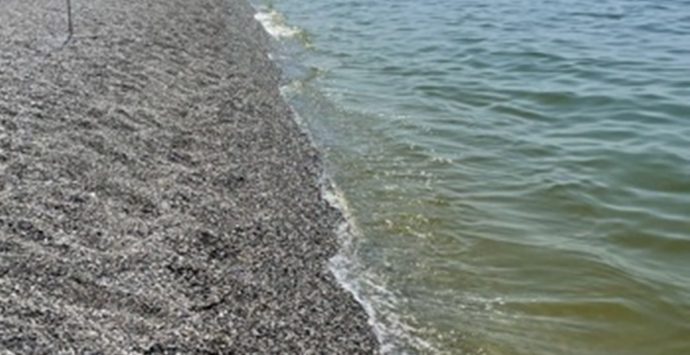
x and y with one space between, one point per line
519 170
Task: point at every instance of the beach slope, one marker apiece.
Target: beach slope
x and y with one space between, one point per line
156 194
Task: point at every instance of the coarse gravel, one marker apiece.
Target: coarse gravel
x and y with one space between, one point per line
156 193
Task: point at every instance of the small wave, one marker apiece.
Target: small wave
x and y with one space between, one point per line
349 272
388 327
275 24
598 15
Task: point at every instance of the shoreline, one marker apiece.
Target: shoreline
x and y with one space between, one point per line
157 194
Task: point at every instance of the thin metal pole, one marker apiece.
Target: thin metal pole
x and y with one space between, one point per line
69 20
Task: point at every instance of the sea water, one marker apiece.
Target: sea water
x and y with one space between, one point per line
517 173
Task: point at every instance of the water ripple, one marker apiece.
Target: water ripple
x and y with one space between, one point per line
520 170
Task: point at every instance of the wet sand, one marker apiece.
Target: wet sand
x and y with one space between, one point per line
156 194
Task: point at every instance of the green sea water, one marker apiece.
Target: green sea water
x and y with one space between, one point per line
518 171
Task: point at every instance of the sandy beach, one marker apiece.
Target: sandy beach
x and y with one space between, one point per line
156 193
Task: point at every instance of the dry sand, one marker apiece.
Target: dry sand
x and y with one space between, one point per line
156 194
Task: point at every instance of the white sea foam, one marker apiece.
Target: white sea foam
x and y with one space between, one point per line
274 23
351 275
343 264
370 293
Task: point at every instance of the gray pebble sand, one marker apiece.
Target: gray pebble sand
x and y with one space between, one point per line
156 194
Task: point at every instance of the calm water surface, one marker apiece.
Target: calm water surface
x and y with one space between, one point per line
519 170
